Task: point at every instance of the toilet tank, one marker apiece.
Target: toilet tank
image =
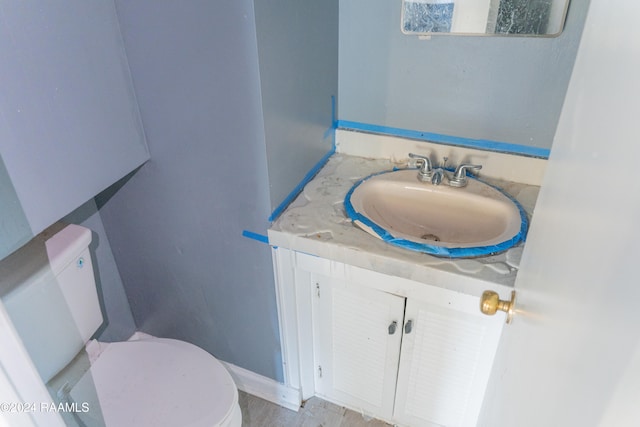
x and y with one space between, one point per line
49 290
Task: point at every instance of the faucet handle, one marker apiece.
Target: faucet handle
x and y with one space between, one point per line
425 169
460 175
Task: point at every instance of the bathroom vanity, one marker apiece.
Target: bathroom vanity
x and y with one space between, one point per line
392 333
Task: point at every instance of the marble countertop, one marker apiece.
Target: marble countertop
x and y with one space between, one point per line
316 223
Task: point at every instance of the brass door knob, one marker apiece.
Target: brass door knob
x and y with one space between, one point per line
490 303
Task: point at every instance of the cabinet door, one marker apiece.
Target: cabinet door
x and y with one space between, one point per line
356 344
446 358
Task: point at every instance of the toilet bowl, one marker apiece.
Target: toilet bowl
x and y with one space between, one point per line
147 381
150 381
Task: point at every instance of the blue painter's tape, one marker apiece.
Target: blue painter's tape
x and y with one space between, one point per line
432 249
334 118
334 122
255 236
308 177
481 144
328 132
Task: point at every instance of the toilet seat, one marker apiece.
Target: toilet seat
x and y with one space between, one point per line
157 382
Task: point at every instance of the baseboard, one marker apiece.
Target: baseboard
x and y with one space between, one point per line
265 388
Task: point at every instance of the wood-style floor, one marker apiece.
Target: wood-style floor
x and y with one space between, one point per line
315 413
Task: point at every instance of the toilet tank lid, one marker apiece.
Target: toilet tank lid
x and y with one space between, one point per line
65 245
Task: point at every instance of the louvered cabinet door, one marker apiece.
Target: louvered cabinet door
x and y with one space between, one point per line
446 357
357 335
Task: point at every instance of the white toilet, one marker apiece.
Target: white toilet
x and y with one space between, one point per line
145 381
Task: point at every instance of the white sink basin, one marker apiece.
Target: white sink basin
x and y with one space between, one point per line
472 221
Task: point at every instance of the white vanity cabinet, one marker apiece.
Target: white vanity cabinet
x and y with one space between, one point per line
445 360
357 333
406 352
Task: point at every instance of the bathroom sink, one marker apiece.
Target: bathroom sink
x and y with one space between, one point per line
440 220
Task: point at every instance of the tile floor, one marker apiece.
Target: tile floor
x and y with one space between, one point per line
315 413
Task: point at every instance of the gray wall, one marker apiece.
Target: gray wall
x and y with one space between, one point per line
69 122
507 89
298 56
14 227
176 226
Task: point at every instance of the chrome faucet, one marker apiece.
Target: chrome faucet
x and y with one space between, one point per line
437 175
426 172
460 175
440 173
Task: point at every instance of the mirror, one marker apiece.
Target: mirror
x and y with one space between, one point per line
484 17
